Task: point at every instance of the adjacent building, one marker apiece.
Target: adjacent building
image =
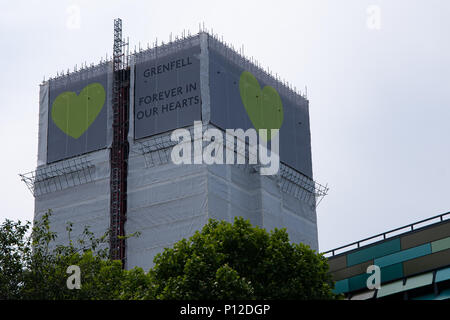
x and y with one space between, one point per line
413 261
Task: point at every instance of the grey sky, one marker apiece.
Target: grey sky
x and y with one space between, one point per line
379 98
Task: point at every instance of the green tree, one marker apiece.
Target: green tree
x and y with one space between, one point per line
222 261
14 249
238 261
32 266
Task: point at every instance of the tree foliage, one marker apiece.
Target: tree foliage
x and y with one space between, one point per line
238 261
32 266
222 261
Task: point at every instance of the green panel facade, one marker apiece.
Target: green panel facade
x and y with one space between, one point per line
403 255
341 286
373 252
440 245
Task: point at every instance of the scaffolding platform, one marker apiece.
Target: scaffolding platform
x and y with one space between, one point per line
301 186
58 176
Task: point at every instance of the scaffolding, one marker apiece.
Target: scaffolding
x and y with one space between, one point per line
76 171
119 148
58 176
301 186
156 151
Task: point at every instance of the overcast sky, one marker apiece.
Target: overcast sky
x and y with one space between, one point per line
377 73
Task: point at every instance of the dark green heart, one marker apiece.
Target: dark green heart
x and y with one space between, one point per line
264 107
73 113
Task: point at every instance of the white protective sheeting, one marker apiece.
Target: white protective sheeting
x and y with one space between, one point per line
43 124
282 210
166 203
233 191
85 204
131 104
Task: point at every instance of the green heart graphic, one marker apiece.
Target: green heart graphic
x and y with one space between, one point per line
264 107
74 114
